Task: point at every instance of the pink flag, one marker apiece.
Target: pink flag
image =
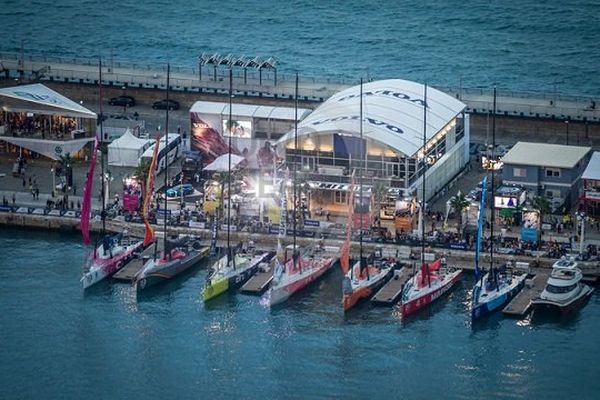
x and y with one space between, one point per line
86 207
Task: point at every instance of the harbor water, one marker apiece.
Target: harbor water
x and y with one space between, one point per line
520 45
59 343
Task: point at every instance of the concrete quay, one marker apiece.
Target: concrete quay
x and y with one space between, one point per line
458 258
265 86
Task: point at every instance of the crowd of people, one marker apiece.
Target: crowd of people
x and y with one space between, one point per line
48 126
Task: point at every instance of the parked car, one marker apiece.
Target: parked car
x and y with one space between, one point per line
175 191
123 101
165 104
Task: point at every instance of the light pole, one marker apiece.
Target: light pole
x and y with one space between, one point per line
53 181
581 220
567 123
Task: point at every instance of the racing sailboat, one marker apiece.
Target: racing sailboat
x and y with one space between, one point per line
367 274
238 265
435 278
178 255
303 267
498 286
115 250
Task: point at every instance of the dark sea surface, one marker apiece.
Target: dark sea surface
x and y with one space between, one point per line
524 45
57 343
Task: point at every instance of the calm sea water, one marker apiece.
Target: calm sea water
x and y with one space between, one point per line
58 343
521 45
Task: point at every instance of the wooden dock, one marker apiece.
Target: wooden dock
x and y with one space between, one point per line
521 303
259 282
132 267
390 293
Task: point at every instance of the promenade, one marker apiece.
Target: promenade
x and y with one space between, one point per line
263 84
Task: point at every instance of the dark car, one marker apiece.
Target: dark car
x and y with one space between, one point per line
165 104
123 101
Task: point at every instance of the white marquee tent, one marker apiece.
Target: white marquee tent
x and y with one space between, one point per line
392 114
126 150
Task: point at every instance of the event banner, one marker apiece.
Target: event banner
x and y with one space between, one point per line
208 139
530 226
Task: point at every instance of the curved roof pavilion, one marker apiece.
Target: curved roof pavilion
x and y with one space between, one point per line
392 115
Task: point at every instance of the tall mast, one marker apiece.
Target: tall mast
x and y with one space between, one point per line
296 156
423 189
166 157
362 167
492 199
103 214
230 126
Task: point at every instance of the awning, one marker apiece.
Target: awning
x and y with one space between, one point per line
49 148
40 99
221 163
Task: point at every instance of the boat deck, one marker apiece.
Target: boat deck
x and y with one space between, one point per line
521 303
259 282
389 294
127 273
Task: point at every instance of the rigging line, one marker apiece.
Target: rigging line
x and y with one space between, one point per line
165 250
229 169
103 214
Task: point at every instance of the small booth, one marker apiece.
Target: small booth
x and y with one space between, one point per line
508 201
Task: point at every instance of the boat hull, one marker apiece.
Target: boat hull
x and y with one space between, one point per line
233 282
563 308
485 308
363 292
169 270
419 302
280 294
106 268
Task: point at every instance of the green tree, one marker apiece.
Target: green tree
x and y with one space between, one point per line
66 163
542 205
459 203
379 191
141 175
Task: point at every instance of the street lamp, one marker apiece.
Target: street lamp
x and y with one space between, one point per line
53 181
567 123
581 218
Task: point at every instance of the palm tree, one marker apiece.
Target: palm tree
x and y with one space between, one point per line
141 175
459 203
542 205
66 163
379 192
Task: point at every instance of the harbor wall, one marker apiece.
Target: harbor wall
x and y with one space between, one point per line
458 258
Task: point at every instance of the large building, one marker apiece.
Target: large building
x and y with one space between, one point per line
253 130
549 170
590 200
36 119
330 147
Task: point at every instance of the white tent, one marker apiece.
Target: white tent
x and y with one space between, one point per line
222 163
40 99
126 150
392 114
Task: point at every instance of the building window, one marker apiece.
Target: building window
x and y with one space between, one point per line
552 194
520 172
553 172
339 197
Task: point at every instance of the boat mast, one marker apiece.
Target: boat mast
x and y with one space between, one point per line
230 123
492 164
103 214
363 155
423 189
166 159
294 258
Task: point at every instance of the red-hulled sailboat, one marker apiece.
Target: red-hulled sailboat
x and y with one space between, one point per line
435 278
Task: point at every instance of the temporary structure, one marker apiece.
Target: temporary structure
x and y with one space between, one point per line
126 150
221 163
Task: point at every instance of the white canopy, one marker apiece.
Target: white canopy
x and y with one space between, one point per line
392 114
593 169
221 163
247 110
126 150
40 99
